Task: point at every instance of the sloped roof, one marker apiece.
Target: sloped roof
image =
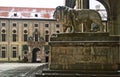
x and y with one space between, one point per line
23 12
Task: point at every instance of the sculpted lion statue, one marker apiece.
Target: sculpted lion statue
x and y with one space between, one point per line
70 17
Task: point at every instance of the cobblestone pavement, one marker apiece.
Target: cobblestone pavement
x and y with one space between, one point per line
20 69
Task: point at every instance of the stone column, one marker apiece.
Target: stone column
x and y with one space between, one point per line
43 54
82 4
29 54
79 4
85 4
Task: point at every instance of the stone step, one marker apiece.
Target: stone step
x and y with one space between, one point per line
78 73
75 75
85 66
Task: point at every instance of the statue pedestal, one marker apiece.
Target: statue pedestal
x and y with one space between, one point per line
84 52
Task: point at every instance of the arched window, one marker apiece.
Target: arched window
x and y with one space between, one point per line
47 32
3 54
25 35
57 31
14 51
14 35
46 38
36 37
3 35
14 54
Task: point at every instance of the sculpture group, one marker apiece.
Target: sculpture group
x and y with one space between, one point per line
74 18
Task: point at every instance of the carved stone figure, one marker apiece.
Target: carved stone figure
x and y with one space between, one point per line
73 17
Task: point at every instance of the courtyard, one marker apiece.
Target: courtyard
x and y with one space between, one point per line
20 69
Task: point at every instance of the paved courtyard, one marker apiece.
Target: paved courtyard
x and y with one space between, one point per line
19 69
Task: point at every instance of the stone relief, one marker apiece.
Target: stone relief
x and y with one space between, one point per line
73 18
86 55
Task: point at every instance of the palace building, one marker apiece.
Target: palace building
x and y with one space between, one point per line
25 33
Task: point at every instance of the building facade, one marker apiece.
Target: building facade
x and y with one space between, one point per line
26 39
25 33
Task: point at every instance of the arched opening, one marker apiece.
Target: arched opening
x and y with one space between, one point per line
46 59
96 5
101 9
34 54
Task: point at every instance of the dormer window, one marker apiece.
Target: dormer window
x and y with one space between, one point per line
15 14
36 15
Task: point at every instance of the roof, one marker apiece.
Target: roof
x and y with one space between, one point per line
23 12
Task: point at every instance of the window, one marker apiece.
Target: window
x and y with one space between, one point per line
36 37
36 25
57 31
3 37
57 25
25 25
14 31
46 25
25 37
25 31
15 14
3 54
14 54
46 38
46 31
3 24
14 24
14 47
14 37
3 47
36 15
3 31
